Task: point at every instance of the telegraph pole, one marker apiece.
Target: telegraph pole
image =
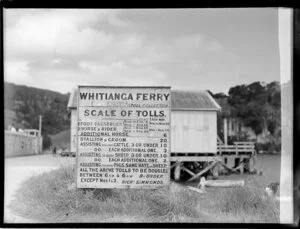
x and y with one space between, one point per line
40 126
40 134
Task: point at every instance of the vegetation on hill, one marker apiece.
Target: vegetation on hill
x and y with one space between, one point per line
9 117
27 103
62 139
257 105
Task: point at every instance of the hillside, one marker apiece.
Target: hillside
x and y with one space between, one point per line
23 105
9 117
61 139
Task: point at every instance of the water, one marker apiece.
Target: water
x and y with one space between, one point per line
270 165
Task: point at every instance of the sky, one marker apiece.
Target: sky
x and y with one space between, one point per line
187 49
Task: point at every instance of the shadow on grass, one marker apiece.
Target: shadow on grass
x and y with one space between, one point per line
49 198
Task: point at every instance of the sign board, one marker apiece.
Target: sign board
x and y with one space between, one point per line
123 137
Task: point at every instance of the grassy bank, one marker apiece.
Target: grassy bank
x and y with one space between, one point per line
50 197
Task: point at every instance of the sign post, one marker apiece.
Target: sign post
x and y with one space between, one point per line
123 137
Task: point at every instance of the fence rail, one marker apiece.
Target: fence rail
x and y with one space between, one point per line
237 148
244 143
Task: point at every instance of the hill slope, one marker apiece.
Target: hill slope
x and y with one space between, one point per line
62 139
23 105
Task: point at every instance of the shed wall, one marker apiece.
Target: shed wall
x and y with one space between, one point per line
194 131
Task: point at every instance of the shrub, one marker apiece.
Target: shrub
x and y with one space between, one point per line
268 147
241 136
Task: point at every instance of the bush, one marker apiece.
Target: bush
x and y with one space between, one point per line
274 147
241 136
261 147
269 147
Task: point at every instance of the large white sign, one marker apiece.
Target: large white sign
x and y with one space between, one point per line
123 137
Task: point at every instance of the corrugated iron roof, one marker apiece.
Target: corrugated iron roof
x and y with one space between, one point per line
193 100
180 100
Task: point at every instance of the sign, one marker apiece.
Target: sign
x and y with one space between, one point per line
123 137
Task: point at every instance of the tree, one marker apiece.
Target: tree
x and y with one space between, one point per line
29 103
257 104
220 96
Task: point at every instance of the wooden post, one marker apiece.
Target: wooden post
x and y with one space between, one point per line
241 166
40 135
188 171
251 164
177 172
225 131
40 126
230 162
215 170
224 183
203 171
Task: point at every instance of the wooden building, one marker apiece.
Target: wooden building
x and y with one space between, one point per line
193 122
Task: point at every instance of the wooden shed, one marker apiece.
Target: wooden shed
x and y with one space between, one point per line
193 122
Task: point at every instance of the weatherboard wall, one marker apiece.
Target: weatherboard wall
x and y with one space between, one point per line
194 132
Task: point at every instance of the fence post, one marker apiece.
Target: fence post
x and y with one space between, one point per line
225 131
177 172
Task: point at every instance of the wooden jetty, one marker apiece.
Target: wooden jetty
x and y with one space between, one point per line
237 158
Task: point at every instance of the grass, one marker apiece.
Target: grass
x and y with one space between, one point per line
248 204
49 198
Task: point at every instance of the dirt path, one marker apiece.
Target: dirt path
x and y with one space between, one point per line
19 169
